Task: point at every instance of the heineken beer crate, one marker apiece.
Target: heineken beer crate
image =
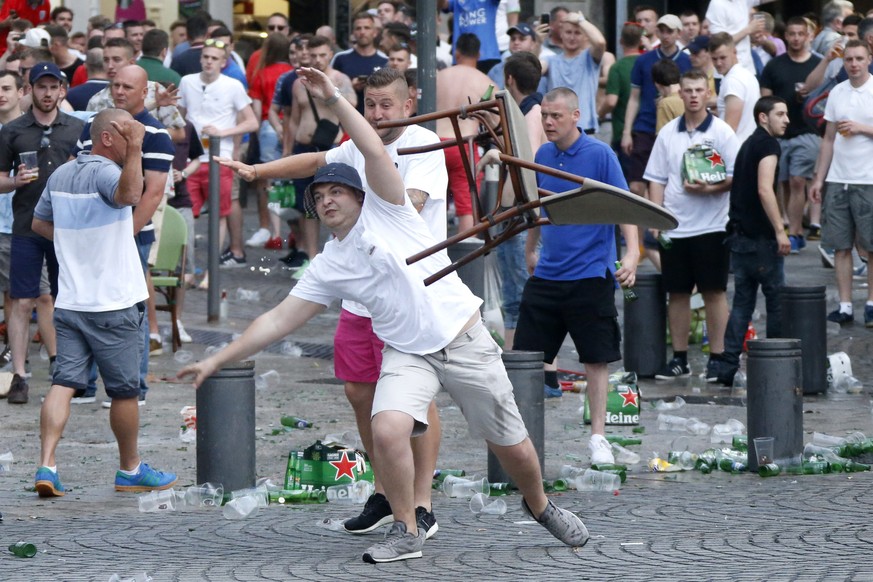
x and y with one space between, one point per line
323 466
704 165
622 400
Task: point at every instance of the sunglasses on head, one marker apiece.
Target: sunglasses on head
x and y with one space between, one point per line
215 42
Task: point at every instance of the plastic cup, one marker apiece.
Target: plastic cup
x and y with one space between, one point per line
6 460
269 379
29 159
593 480
205 495
460 487
154 501
481 503
764 450
183 356
241 507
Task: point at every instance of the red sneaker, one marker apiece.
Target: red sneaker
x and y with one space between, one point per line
274 244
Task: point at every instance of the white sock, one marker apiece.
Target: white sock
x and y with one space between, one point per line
155 336
870 304
131 473
53 469
846 307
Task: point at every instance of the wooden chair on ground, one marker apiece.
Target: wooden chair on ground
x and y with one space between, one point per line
168 273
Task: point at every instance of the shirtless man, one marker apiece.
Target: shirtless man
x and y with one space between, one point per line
456 86
301 125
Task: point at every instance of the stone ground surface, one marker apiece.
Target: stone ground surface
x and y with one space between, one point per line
684 526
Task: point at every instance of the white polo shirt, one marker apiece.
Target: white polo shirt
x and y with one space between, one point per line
697 213
425 172
732 16
852 155
741 84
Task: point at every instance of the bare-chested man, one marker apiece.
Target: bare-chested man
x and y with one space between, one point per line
456 86
302 124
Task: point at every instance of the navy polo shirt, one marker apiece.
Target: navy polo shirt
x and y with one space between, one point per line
641 77
582 251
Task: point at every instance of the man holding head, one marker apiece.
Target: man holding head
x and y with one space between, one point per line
101 292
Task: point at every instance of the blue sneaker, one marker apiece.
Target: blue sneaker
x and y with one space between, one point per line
868 316
838 316
48 484
550 392
797 242
146 479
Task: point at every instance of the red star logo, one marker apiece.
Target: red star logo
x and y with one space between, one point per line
715 159
630 398
344 467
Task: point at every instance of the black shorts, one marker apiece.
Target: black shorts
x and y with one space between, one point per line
701 260
639 158
584 308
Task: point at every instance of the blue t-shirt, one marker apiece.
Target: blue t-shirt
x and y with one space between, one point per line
158 152
579 73
581 251
79 95
641 77
282 96
354 65
233 70
477 17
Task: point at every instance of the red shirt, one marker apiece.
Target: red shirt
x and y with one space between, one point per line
263 85
79 77
39 15
252 65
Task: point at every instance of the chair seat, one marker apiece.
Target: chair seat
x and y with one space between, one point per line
166 281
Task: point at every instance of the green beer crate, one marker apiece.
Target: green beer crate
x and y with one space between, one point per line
323 466
622 401
703 164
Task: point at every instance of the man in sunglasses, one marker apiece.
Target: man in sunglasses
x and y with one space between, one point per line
52 135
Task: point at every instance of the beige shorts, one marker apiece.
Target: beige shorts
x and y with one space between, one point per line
471 370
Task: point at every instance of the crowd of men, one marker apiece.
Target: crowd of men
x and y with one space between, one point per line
101 130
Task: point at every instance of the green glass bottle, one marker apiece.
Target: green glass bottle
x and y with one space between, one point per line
769 470
23 549
289 496
855 467
638 429
500 489
731 465
815 467
619 470
295 422
740 442
441 474
623 440
629 294
664 240
488 93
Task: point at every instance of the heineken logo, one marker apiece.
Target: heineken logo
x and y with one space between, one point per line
630 398
621 418
713 177
344 466
715 159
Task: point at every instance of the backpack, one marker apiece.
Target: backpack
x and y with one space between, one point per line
814 106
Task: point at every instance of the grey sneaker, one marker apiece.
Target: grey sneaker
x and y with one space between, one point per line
564 525
397 545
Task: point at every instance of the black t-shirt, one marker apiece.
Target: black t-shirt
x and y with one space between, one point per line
780 75
747 216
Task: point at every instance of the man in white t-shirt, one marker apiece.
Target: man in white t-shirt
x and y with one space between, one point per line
739 90
434 334
698 256
844 163
217 106
357 350
733 17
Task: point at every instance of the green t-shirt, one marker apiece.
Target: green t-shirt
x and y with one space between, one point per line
619 83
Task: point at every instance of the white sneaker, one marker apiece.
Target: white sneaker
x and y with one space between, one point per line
259 238
601 450
183 335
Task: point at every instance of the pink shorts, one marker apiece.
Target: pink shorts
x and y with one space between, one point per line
357 352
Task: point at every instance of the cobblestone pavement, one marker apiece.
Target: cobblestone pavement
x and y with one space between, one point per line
684 526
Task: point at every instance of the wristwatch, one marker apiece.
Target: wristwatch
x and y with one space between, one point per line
334 98
184 175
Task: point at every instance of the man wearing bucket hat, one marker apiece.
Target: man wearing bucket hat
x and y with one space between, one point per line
434 334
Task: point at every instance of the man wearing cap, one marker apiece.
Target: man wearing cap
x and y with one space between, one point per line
638 135
698 53
52 134
36 11
577 68
522 38
434 336
36 38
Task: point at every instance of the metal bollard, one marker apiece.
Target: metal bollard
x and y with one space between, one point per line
226 427
645 327
473 273
804 317
775 398
525 371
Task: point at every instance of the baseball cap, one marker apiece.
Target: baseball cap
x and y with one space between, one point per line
697 44
522 28
46 69
36 38
336 173
671 21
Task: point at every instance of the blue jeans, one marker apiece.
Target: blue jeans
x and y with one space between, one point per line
513 272
91 389
755 262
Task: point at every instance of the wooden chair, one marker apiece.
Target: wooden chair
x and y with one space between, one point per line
592 203
168 273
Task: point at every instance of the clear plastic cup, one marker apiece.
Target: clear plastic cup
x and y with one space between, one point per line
461 487
241 507
481 503
183 356
154 501
204 495
269 380
764 449
592 480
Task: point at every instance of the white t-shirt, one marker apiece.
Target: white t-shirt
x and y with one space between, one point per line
852 155
742 84
217 104
425 172
697 213
732 16
369 266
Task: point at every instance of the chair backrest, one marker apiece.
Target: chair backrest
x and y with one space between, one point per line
174 237
518 145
